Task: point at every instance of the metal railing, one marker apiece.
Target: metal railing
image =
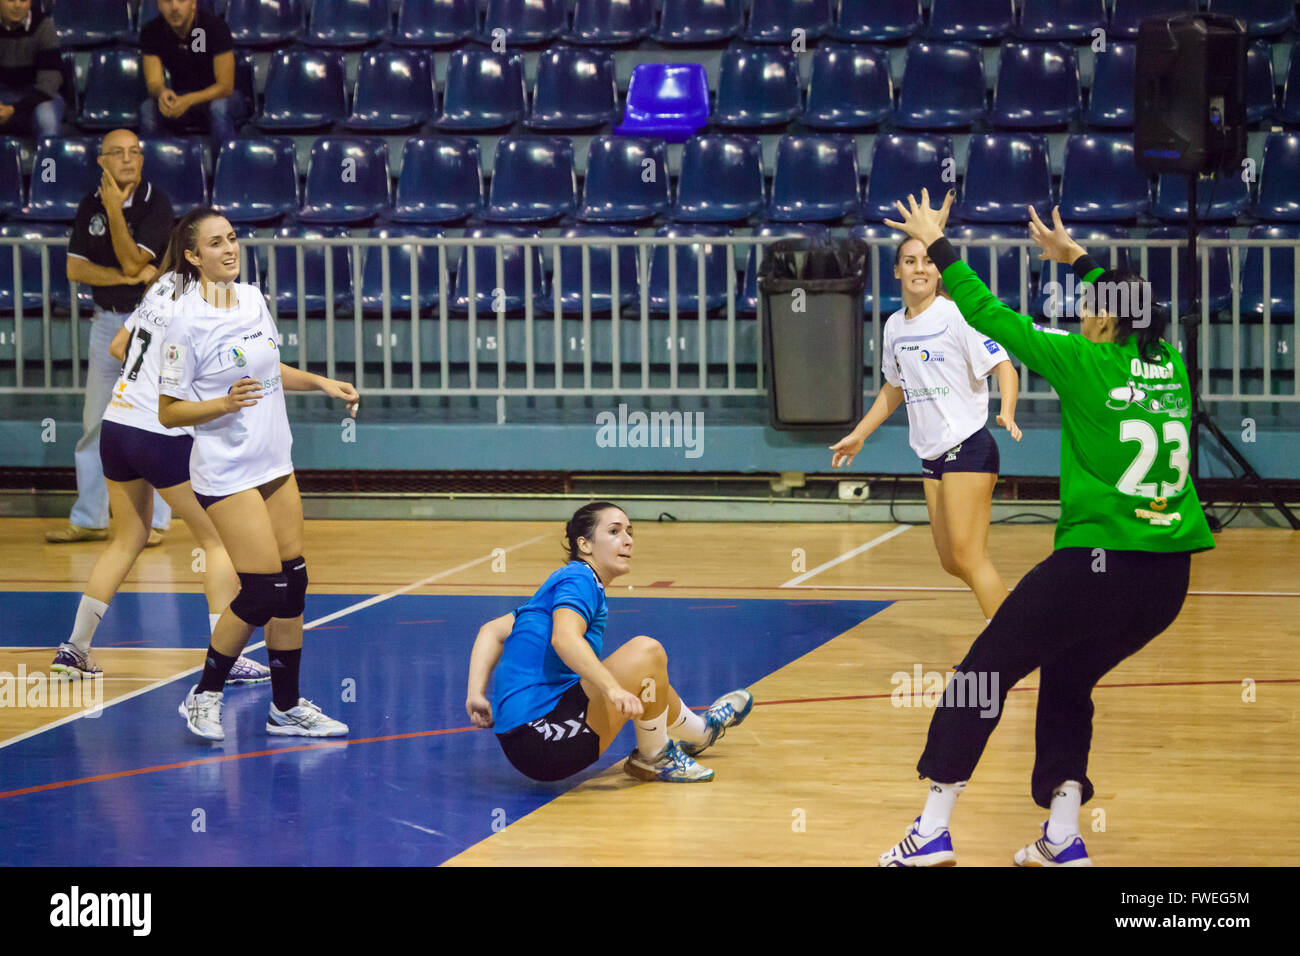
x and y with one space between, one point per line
478 331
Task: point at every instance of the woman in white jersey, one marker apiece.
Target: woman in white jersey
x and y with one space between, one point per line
221 374
140 455
938 365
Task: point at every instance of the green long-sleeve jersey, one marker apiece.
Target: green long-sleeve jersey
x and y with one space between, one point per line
1124 424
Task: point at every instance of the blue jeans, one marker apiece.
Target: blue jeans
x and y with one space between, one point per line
218 117
91 508
45 121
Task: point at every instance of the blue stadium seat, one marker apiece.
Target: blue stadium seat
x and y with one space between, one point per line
616 188
721 179
284 264
690 22
1261 91
532 179
943 86
256 180
575 89
1110 101
903 163
11 177
1225 199
1101 181
114 90
1005 258
1158 269
970 19
347 23
394 91
74 172
850 87
748 302
1005 172
1061 19
89 23
304 91
1262 17
666 101
347 181
1127 14
30 266
526 22
485 272
176 166
485 90
816 179
258 23
774 21
1288 110
399 272
758 86
613 22
1088 235
1279 180
1037 86
68 88
441 180
891 295
599 272
1282 290
882 21
244 74
436 22
688 265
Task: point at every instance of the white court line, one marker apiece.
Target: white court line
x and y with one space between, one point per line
795 582
368 602
900 587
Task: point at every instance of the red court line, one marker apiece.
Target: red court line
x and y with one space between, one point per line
119 774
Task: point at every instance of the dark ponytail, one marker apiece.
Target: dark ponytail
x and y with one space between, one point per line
1127 298
185 236
583 525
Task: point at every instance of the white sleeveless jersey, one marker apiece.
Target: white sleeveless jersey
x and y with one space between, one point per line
135 396
942 366
205 352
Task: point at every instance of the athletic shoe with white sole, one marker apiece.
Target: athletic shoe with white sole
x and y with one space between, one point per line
917 850
671 766
248 671
202 713
303 720
68 660
727 711
1043 852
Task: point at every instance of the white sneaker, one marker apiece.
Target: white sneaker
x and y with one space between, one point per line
304 720
202 713
1043 852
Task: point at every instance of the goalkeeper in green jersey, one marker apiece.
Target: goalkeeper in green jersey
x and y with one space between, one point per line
1130 521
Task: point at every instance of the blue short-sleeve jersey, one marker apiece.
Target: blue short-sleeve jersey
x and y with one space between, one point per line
530 677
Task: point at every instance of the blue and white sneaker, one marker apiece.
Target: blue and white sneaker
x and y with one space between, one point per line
304 719
671 766
916 850
248 671
68 660
202 713
1043 852
727 711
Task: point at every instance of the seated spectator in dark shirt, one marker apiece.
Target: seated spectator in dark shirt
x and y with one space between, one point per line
196 50
30 77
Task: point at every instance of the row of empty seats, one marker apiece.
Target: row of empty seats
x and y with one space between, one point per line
358 23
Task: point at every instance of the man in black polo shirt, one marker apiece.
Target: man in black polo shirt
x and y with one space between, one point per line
119 237
196 49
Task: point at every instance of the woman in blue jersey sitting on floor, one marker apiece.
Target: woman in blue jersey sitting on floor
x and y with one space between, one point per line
556 706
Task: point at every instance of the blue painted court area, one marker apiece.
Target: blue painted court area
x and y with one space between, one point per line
416 799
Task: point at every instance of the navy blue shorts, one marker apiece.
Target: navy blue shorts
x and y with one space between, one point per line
207 501
979 453
557 745
129 453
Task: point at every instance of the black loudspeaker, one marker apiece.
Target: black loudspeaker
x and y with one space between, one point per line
1190 94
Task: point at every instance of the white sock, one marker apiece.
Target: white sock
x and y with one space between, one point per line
1064 820
212 622
652 735
89 612
689 726
988 620
938 807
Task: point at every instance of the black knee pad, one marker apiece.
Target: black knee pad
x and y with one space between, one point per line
295 598
260 598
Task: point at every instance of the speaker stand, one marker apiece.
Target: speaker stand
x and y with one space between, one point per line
1200 417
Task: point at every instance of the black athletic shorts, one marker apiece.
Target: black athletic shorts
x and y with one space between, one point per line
129 453
557 745
978 453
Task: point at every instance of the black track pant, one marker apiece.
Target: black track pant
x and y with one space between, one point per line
1073 620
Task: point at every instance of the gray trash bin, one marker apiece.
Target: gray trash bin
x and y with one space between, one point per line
812 331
